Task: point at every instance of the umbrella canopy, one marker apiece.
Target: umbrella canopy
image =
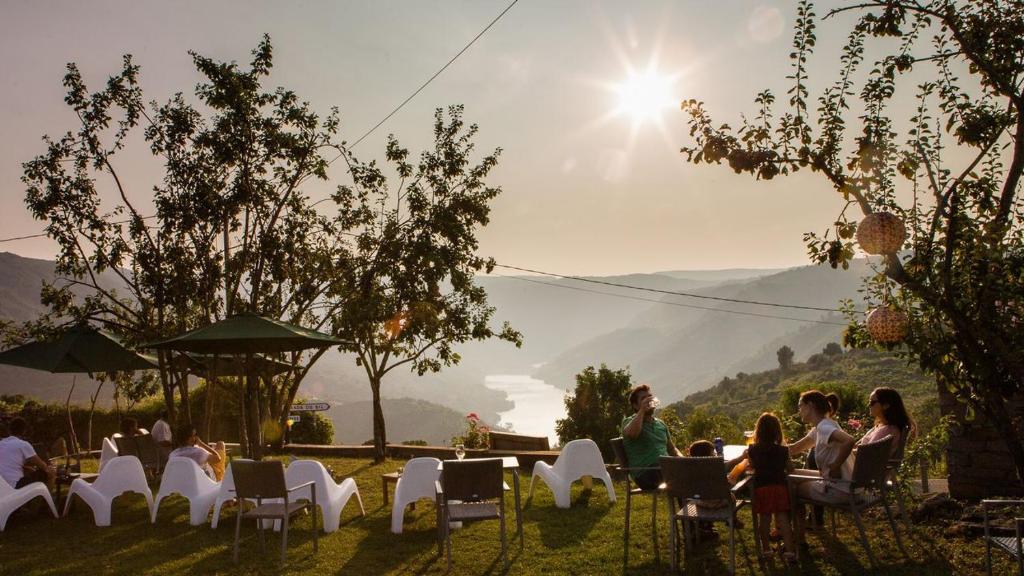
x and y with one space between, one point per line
82 349
247 334
209 366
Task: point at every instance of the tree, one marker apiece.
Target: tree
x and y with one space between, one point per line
233 229
951 171
832 349
785 356
597 407
406 294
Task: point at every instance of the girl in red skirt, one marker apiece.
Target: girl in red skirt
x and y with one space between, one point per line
769 458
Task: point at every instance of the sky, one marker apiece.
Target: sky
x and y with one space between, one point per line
587 188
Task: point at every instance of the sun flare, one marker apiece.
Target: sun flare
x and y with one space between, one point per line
643 96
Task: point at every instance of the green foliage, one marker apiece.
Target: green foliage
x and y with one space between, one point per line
700 424
951 171
597 407
785 356
313 428
477 435
414 443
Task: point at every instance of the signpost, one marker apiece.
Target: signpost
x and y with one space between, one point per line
311 407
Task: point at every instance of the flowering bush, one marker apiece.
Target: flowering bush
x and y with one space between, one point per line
477 435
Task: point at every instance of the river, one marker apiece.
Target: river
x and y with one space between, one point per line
536 404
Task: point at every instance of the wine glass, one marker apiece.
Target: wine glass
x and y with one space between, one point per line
460 451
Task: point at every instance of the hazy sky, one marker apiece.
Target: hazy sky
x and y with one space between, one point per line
586 190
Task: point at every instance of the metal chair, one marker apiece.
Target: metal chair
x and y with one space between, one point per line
623 461
869 486
470 490
145 448
262 481
1012 545
691 481
892 470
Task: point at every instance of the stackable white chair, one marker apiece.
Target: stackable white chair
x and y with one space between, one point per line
121 474
331 496
107 453
225 493
417 481
578 458
13 498
183 476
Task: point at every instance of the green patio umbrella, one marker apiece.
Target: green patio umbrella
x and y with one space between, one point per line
246 334
81 350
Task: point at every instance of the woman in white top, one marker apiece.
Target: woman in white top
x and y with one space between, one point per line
190 446
832 448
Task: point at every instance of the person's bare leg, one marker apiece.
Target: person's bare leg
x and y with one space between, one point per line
764 528
782 524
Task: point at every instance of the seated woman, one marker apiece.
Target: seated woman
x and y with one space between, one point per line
130 427
891 419
210 459
832 447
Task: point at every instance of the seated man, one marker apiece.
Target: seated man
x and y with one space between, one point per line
19 463
645 438
162 431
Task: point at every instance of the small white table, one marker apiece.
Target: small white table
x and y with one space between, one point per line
731 451
509 463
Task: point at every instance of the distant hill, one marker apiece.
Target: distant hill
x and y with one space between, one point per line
684 344
407 419
743 396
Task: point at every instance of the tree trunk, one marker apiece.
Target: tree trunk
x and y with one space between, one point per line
186 404
243 432
253 417
211 385
92 410
72 437
168 388
380 439
1001 420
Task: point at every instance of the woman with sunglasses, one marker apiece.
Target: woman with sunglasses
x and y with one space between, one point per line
891 419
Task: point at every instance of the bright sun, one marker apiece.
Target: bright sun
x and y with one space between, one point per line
644 95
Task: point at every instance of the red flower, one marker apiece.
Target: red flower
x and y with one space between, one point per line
854 423
472 417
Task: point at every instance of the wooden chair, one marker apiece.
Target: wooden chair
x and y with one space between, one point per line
145 448
869 486
623 461
691 481
260 481
470 490
1012 545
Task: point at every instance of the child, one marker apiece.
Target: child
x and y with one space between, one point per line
769 458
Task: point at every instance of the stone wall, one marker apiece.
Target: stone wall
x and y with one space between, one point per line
980 465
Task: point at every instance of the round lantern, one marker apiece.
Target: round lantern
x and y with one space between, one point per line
887 325
881 233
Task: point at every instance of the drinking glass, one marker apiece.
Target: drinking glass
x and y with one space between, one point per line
749 435
655 402
460 451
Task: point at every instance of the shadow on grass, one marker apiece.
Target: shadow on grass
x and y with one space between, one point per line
561 528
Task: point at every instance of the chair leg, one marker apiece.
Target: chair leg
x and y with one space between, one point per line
504 545
863 536
892 524
238 530
625 530
732 544
654 526
902 508
284 537
671 536
832 518
448 543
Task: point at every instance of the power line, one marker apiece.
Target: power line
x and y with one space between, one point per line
669 292
41 234
431 79
681 305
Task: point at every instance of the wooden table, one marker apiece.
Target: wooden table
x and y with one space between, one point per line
508 463
67 479
390 478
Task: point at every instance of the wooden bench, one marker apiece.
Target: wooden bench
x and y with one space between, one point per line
518 442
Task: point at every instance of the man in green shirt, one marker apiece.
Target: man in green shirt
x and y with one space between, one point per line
645 438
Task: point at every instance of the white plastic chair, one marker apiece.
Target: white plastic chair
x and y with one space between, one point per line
183 476
578 458
120 475
331 497
417 481
107 453
13 498
225 493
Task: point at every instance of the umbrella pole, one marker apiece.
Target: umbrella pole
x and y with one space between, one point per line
243 428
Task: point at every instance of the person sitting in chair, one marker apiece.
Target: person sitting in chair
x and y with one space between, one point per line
645 438
210 458
19 463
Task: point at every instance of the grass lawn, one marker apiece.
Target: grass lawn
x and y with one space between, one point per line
586 539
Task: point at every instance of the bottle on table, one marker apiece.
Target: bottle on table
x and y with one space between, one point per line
719 446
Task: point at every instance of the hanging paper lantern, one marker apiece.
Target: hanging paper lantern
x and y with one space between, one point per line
887 324
881 233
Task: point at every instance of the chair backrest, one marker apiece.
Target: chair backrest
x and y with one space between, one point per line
579 457
108 453
901 446
126 445
476 479
419 475
698 478
302 471
869 467
148 451
620 452
120 474
5 488
264 479
184 476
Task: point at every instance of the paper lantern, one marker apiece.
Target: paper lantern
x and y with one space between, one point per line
881 233
887 325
